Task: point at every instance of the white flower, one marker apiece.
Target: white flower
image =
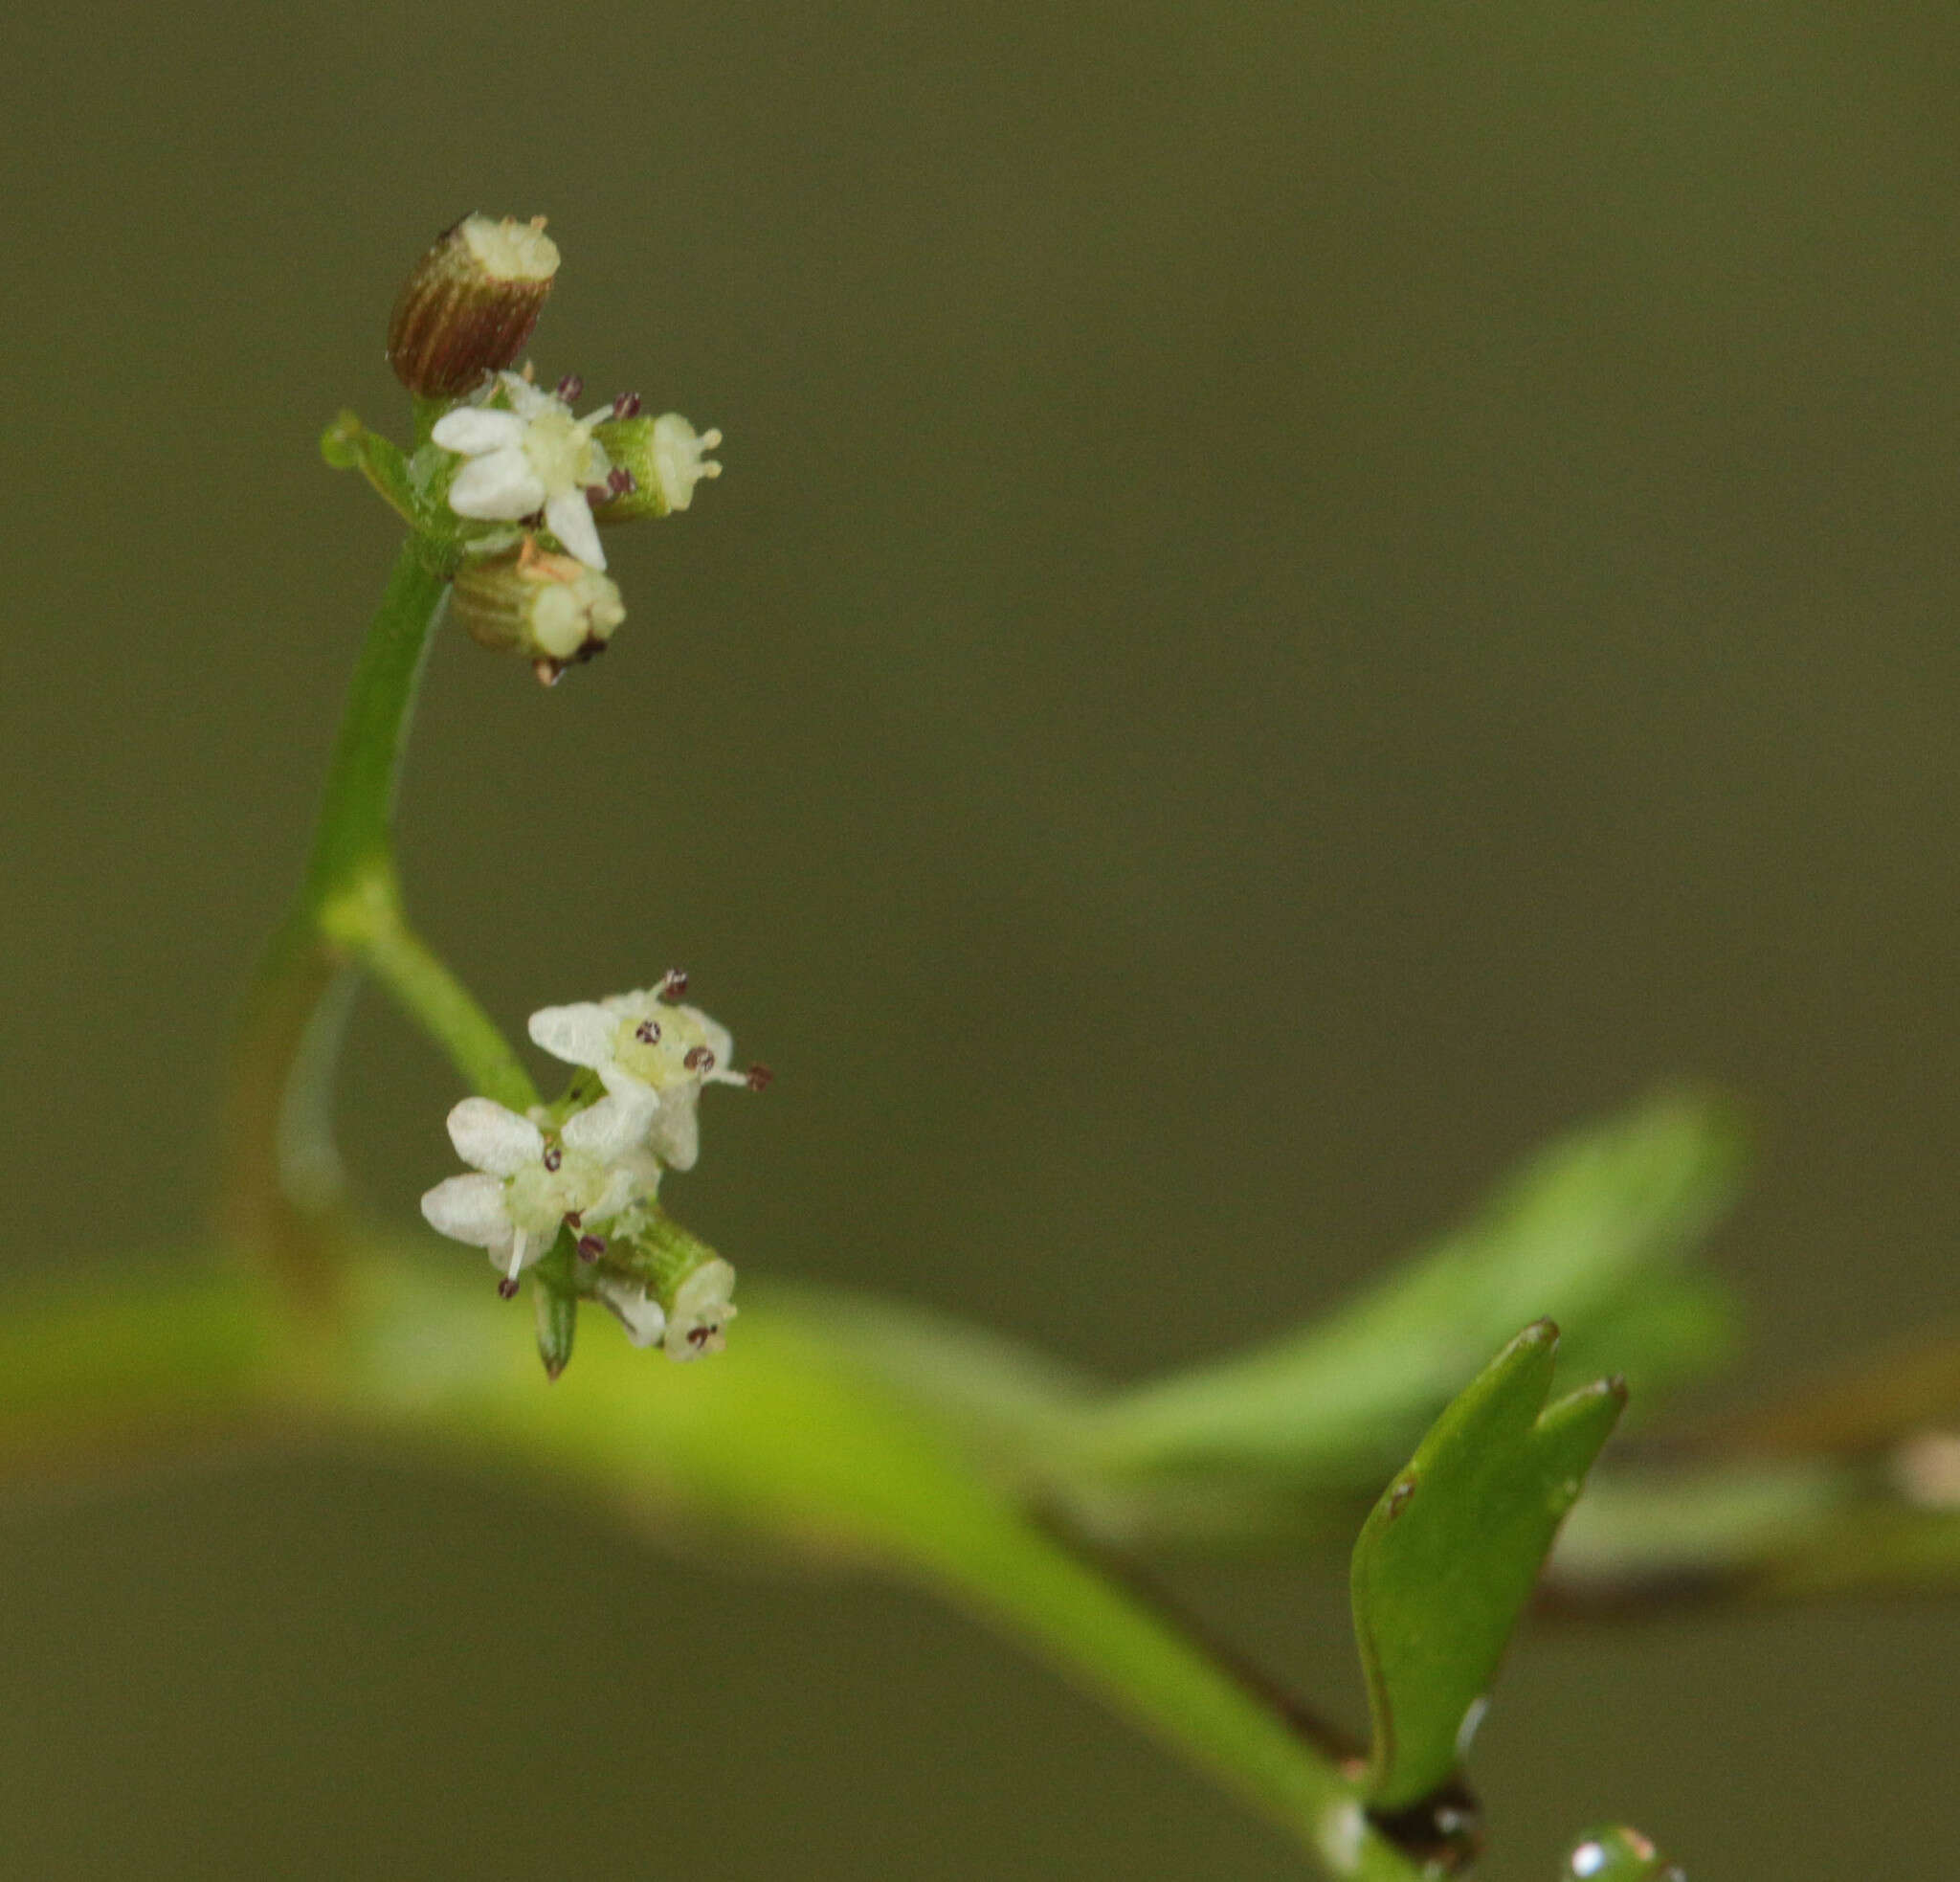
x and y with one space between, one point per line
634 1308
534 457
638 1043
680 460
527 1183
702 1310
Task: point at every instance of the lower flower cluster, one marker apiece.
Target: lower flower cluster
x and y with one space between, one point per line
570 1192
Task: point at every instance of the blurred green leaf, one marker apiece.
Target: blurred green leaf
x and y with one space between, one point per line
1449 1555
1592 1232
1001 1397
788 1442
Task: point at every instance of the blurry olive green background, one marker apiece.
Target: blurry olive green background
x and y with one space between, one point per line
1302 596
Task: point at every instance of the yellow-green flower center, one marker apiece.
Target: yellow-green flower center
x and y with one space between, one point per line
561 453
654 1046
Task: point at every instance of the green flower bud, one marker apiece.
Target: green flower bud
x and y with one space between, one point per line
468 307
701 1310
552 610
649 1252
655 465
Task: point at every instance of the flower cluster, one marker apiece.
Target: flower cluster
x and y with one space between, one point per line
570 1189
507 486
516 455
510 480
526 1181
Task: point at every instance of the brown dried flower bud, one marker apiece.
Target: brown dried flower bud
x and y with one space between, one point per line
470 303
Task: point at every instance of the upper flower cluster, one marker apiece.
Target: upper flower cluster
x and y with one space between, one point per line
589 1169
511 485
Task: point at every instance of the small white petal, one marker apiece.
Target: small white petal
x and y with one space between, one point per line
636 1178
581 1035
611 1128
675 1135
622 1084
500 488
714 1036
570 520
526 401
637 1311
472 431
468 1209
488 1137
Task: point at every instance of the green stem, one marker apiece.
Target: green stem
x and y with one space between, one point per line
278 1164
375 928
352 839
1172 1687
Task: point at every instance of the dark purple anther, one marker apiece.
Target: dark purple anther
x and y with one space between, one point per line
760 1077
590 1247
621 482
648 1032
625 405
507 1286
570 386
553 1157
676 982
699 1059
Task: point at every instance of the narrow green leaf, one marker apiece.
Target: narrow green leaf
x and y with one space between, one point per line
1002 1398
1447 1559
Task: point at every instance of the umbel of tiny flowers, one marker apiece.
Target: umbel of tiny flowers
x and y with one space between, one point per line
646 1044
528 457
528 1183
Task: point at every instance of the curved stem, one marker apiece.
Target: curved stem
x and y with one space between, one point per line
376 932
280 1170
